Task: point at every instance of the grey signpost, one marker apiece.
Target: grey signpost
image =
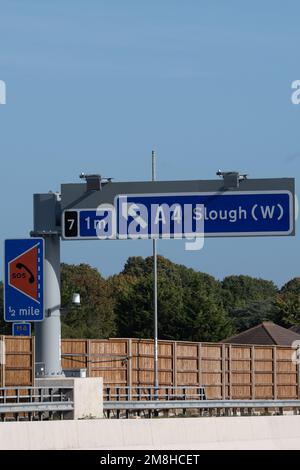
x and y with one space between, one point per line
253 207
155 293
48 332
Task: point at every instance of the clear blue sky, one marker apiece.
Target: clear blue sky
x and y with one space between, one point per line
93 85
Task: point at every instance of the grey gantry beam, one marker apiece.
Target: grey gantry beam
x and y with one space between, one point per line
77 195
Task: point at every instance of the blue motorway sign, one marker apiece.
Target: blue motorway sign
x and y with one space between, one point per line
21 329
24 280
89 223
185 215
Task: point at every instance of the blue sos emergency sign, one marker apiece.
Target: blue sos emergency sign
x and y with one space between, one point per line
24 280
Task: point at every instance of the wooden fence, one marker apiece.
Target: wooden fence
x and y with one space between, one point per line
226 371
17 368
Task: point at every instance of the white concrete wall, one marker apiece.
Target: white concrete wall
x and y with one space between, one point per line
262 432
87 395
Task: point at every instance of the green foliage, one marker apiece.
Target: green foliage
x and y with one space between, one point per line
254 313
206 318
238 291
95 317
131 304
189 303
288 303
133 289
192 306
248 300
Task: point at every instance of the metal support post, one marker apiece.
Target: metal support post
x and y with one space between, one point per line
48 332
155 295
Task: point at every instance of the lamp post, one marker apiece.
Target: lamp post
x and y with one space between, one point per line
155 295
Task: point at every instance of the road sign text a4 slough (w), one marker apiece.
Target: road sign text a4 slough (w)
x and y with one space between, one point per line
247 213
24 280
184 215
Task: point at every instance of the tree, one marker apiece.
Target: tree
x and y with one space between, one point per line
288 303
254 313
189 303
130 305
192 305
248 300
135 266
95 317
206 318
133 290
240 290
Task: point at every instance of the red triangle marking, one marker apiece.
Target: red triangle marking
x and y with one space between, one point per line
23 274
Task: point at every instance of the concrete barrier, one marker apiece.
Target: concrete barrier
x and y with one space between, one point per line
262 432
86 394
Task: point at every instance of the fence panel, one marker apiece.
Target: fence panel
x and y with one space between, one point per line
18 369
143 362
74 353
226 371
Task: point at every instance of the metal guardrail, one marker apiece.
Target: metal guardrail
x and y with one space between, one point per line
51 402
142 393
204 407
35 402
207 404
148 401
